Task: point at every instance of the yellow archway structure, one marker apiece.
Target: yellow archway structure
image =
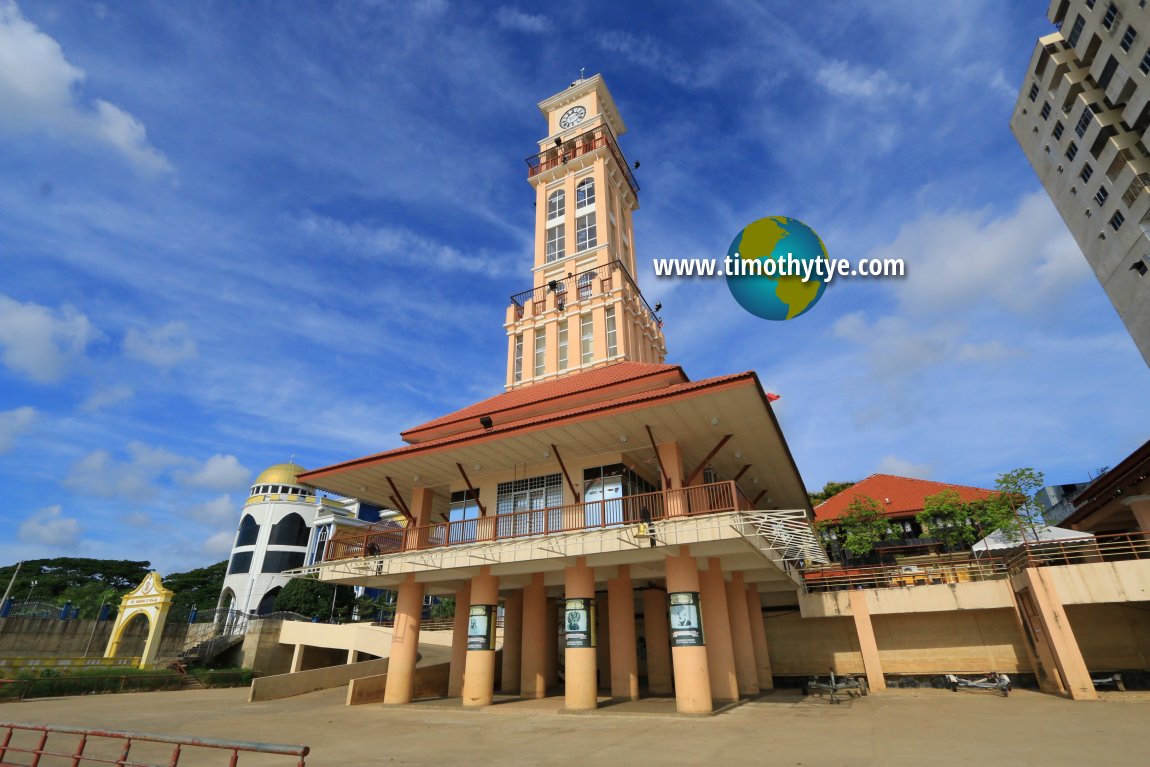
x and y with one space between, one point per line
151 600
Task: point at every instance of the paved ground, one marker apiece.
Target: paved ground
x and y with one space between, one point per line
924 728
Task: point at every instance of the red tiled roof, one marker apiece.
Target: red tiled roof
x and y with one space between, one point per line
898 496
537 394
666 392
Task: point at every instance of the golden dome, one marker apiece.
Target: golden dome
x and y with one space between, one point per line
280 474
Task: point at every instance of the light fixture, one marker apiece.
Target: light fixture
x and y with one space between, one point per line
715 421
558 141
553 286
623 438
486 422
636 165
755 481
415 478
658 307
738 454
478 466
546 453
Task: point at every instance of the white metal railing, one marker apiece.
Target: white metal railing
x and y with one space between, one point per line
790 534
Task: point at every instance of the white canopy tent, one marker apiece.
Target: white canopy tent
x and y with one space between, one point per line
1001 540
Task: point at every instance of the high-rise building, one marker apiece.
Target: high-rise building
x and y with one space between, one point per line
1081 117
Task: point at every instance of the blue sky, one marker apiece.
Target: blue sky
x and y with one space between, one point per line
231 233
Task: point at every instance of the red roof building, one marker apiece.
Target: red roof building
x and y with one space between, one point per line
897 496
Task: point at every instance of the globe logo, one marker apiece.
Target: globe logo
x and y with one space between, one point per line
776 291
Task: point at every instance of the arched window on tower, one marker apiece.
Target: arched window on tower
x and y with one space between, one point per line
584 193
249 531
289 531
556 204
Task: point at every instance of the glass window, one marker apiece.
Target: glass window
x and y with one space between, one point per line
1101 195
1071 151
249 531
1045 110
289 531
1145 65
556 243
241 562
586 340
1116 220
1083 122
462 516
584 193
540 351
1076 31
278 561
1058 130
563 344
1128 38
518 357
556 204
521 504
585 236
1110 17
1086 173
612 343
1033 92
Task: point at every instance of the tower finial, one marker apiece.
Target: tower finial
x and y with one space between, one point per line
581 77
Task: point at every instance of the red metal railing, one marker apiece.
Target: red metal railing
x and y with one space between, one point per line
584 143
37 746
580 286
1076 551
698 499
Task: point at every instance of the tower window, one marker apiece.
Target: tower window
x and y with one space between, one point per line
563 344
556 204
556 243
586 339
1033 92
540 351
1117 220
1076 31
1111 16
249 531
1101 195
612 340
1145 65
1083 122
584 194
1140 267
1086 173
1071 151
518 357
1045 110
1058 130
1128 38
585 236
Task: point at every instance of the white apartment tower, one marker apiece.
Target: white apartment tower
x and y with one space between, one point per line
1081 119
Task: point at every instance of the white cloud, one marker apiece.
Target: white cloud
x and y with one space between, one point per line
135 479
102 398
12 424
220 472
49 527
219 544
218 511
891 464
40 342
514 19
396 244
163 346
841 78
39 91
958 259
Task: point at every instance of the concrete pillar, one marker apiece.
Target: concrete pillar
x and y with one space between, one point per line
867 644
658 636
421 501
1053 627
671 456
624 661
759 639
692 680
746 672
580 688
717 632
459 641
533 659
479 676
1140 507
404 643
603 640
551 649
512 641
297 658
352 656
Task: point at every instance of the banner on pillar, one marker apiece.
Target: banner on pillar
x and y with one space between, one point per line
579 623
481 628
686 619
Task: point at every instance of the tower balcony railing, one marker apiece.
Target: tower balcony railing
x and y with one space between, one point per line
578 146
656 507
581 286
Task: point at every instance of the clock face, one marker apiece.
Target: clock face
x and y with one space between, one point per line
572 117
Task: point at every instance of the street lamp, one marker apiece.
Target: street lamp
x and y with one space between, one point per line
96 620
30 587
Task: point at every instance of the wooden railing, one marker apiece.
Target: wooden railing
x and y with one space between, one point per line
1076 551
632 509
838 578
585 143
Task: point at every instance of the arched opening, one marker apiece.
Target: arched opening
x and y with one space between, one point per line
268 603
249 531
133 636
289 531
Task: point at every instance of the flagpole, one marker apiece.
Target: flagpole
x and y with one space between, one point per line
11 583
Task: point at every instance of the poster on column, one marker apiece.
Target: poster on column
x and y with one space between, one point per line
579 623
686 620
480 628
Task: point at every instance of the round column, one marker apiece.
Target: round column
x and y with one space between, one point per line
581 687
404 643
692 682
479 676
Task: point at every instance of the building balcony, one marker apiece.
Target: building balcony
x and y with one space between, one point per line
584 144
582 286
715 498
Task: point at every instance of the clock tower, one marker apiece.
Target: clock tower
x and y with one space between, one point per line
585 309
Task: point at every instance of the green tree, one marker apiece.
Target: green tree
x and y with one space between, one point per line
199 588
444 608
75 578
829 490
862 526
950 519
1013 508
313 598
